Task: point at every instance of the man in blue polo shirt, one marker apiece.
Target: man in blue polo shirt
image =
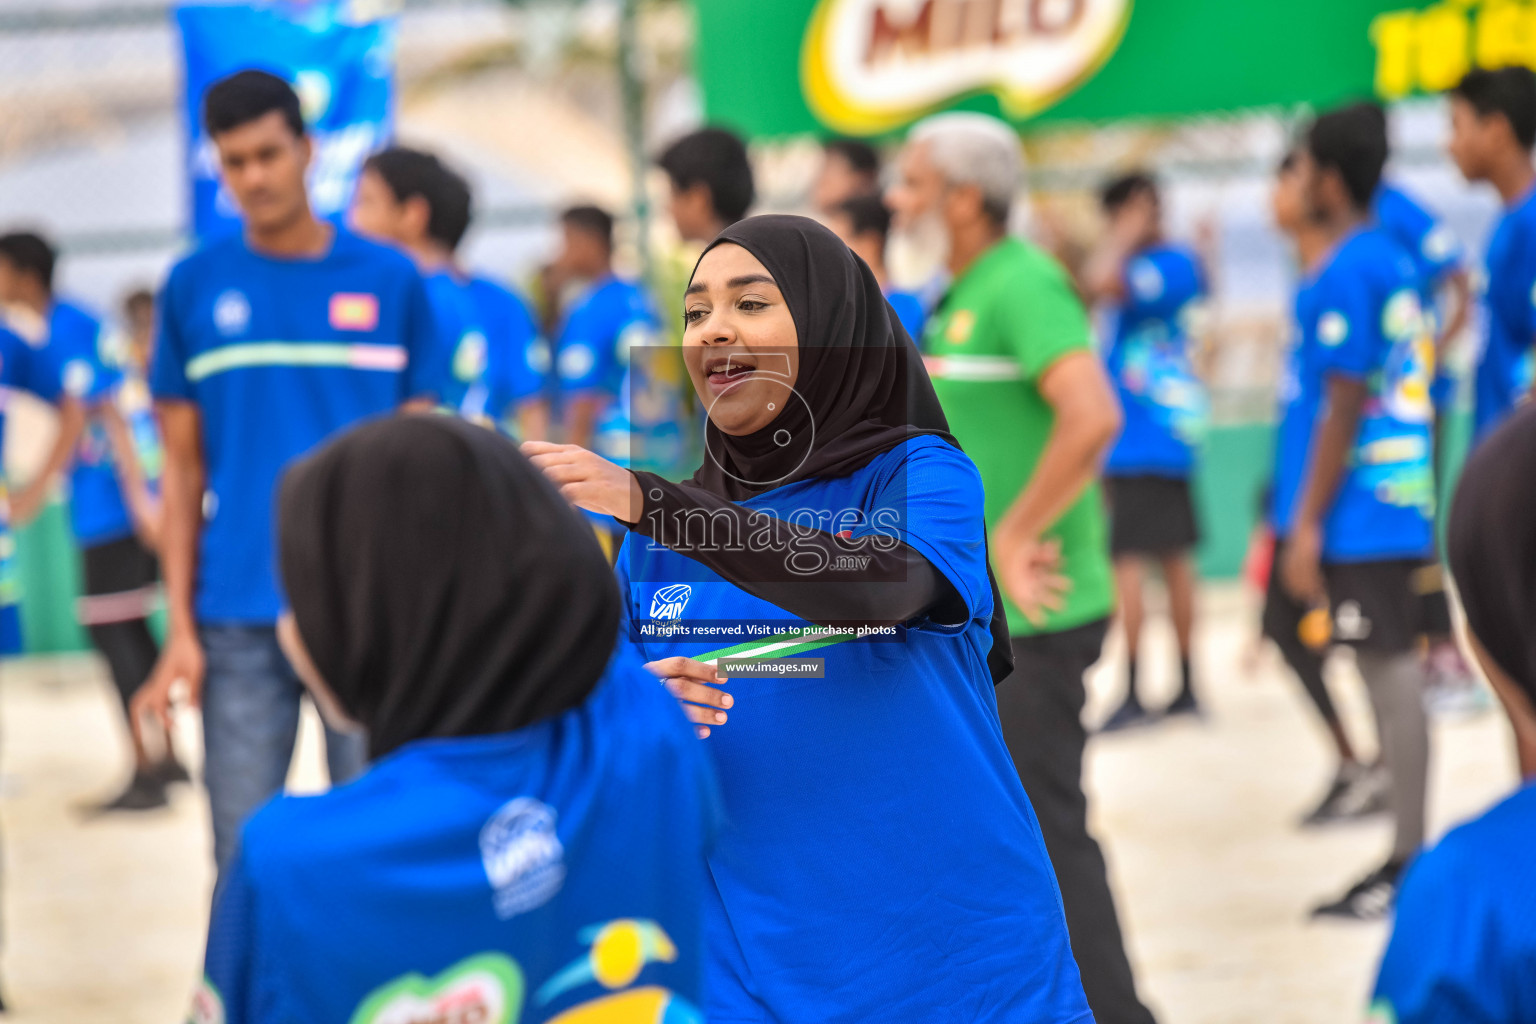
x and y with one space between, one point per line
271 340
408 198
1493 127
111 511
1354 495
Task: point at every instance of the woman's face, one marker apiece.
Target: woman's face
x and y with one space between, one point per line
739 341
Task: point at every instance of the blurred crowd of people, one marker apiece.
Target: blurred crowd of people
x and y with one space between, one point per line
1070 383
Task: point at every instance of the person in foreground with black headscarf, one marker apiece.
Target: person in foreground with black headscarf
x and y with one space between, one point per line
529 842
1464 945
819 594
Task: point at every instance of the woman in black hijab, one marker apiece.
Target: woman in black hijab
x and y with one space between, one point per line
1463 942
536 803
882 861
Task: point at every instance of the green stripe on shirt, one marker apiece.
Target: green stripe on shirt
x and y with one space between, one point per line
782 645
974 368
391 358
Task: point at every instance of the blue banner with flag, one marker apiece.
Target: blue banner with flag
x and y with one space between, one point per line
339 56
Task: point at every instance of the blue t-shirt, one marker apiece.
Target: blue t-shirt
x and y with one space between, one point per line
883 862
550 874
1436 254
1506 366
1164 402
910 311
517 357
22 368
278 355
1463 949
1361 317
90 373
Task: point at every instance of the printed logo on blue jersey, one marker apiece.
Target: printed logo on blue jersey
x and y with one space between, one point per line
576 361
469 358
78 378
669 602
522 855
232 312
1332 329
1146 280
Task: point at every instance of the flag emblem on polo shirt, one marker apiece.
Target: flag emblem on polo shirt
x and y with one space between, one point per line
354 311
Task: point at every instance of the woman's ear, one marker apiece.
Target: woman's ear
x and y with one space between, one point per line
292 643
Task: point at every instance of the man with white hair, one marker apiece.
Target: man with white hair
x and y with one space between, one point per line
1013 363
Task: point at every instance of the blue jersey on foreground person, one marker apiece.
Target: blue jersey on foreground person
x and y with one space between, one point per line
881 860
77 344
1360 316
1436 255
1506 365
910 311
529 842
1164 402
278 354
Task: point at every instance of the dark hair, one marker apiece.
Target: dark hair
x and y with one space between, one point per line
31 254
860 155
1352 141
867 214
136 298
247 95
718 159
1288 161
594 220
1510 92
1123 189
414 173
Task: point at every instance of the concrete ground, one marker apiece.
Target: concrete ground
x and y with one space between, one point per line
103 918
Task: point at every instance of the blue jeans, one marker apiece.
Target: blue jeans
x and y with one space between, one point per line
250 722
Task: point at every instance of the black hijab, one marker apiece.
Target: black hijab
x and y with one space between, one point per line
442 585
862 378
1491 546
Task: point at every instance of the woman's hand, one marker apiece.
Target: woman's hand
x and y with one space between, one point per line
694 684
588 481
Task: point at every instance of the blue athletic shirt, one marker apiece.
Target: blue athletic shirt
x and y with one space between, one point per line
552 874
278 355
89 372
1463 949
1361 317
882 861
1436 254
1506 366
517 358
910 311
22 368
1165 405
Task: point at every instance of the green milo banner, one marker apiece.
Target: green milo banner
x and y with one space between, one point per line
870 67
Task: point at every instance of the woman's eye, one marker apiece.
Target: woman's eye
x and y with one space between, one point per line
692 316
751 305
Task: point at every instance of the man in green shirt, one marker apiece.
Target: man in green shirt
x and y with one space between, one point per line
1013 363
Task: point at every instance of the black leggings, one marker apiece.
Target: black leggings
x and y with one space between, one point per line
130 650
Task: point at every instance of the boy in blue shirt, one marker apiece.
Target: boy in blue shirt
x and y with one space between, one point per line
1154 287
410 199
1493 127
1463 947
113 516
864 224
271 340
1354 493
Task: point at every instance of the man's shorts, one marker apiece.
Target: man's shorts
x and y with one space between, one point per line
1376 606
1150 515
120 578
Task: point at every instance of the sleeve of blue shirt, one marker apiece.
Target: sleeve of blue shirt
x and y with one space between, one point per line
600 331
168 367
229 964
1523 271
85 374
934 499
429 358
30 369
1433 971
1350 342
516 381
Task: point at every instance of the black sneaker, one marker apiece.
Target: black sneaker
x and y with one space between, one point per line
1370 899
144 792
169 772
1184 704
1127 716
1356 792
